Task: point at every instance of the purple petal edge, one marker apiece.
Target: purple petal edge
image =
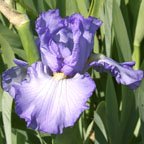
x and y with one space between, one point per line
14 75
123 72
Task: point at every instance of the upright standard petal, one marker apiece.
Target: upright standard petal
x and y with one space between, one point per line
50 21
122 72
49 104
83 31
68 41
14 75
47 26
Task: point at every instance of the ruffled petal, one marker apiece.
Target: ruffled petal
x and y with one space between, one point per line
48 22
83 31
48 104
47 26
14 75
123 72
68 41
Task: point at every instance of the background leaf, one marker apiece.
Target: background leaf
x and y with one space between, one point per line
121 35
70 136
112 112
139 32
6 113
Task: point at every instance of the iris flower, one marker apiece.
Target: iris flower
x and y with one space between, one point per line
52 93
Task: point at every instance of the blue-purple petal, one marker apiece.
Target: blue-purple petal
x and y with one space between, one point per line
83 31
14 75
123 72
48 104
50 21
68 41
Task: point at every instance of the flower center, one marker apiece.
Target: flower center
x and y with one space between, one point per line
59 76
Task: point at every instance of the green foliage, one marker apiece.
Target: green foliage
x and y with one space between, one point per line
70 136
6 114
115 111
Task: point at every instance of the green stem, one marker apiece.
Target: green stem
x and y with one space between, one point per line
136 56
28 42
39 136
22 24
53 138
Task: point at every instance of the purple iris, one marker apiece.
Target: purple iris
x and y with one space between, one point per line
52 93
